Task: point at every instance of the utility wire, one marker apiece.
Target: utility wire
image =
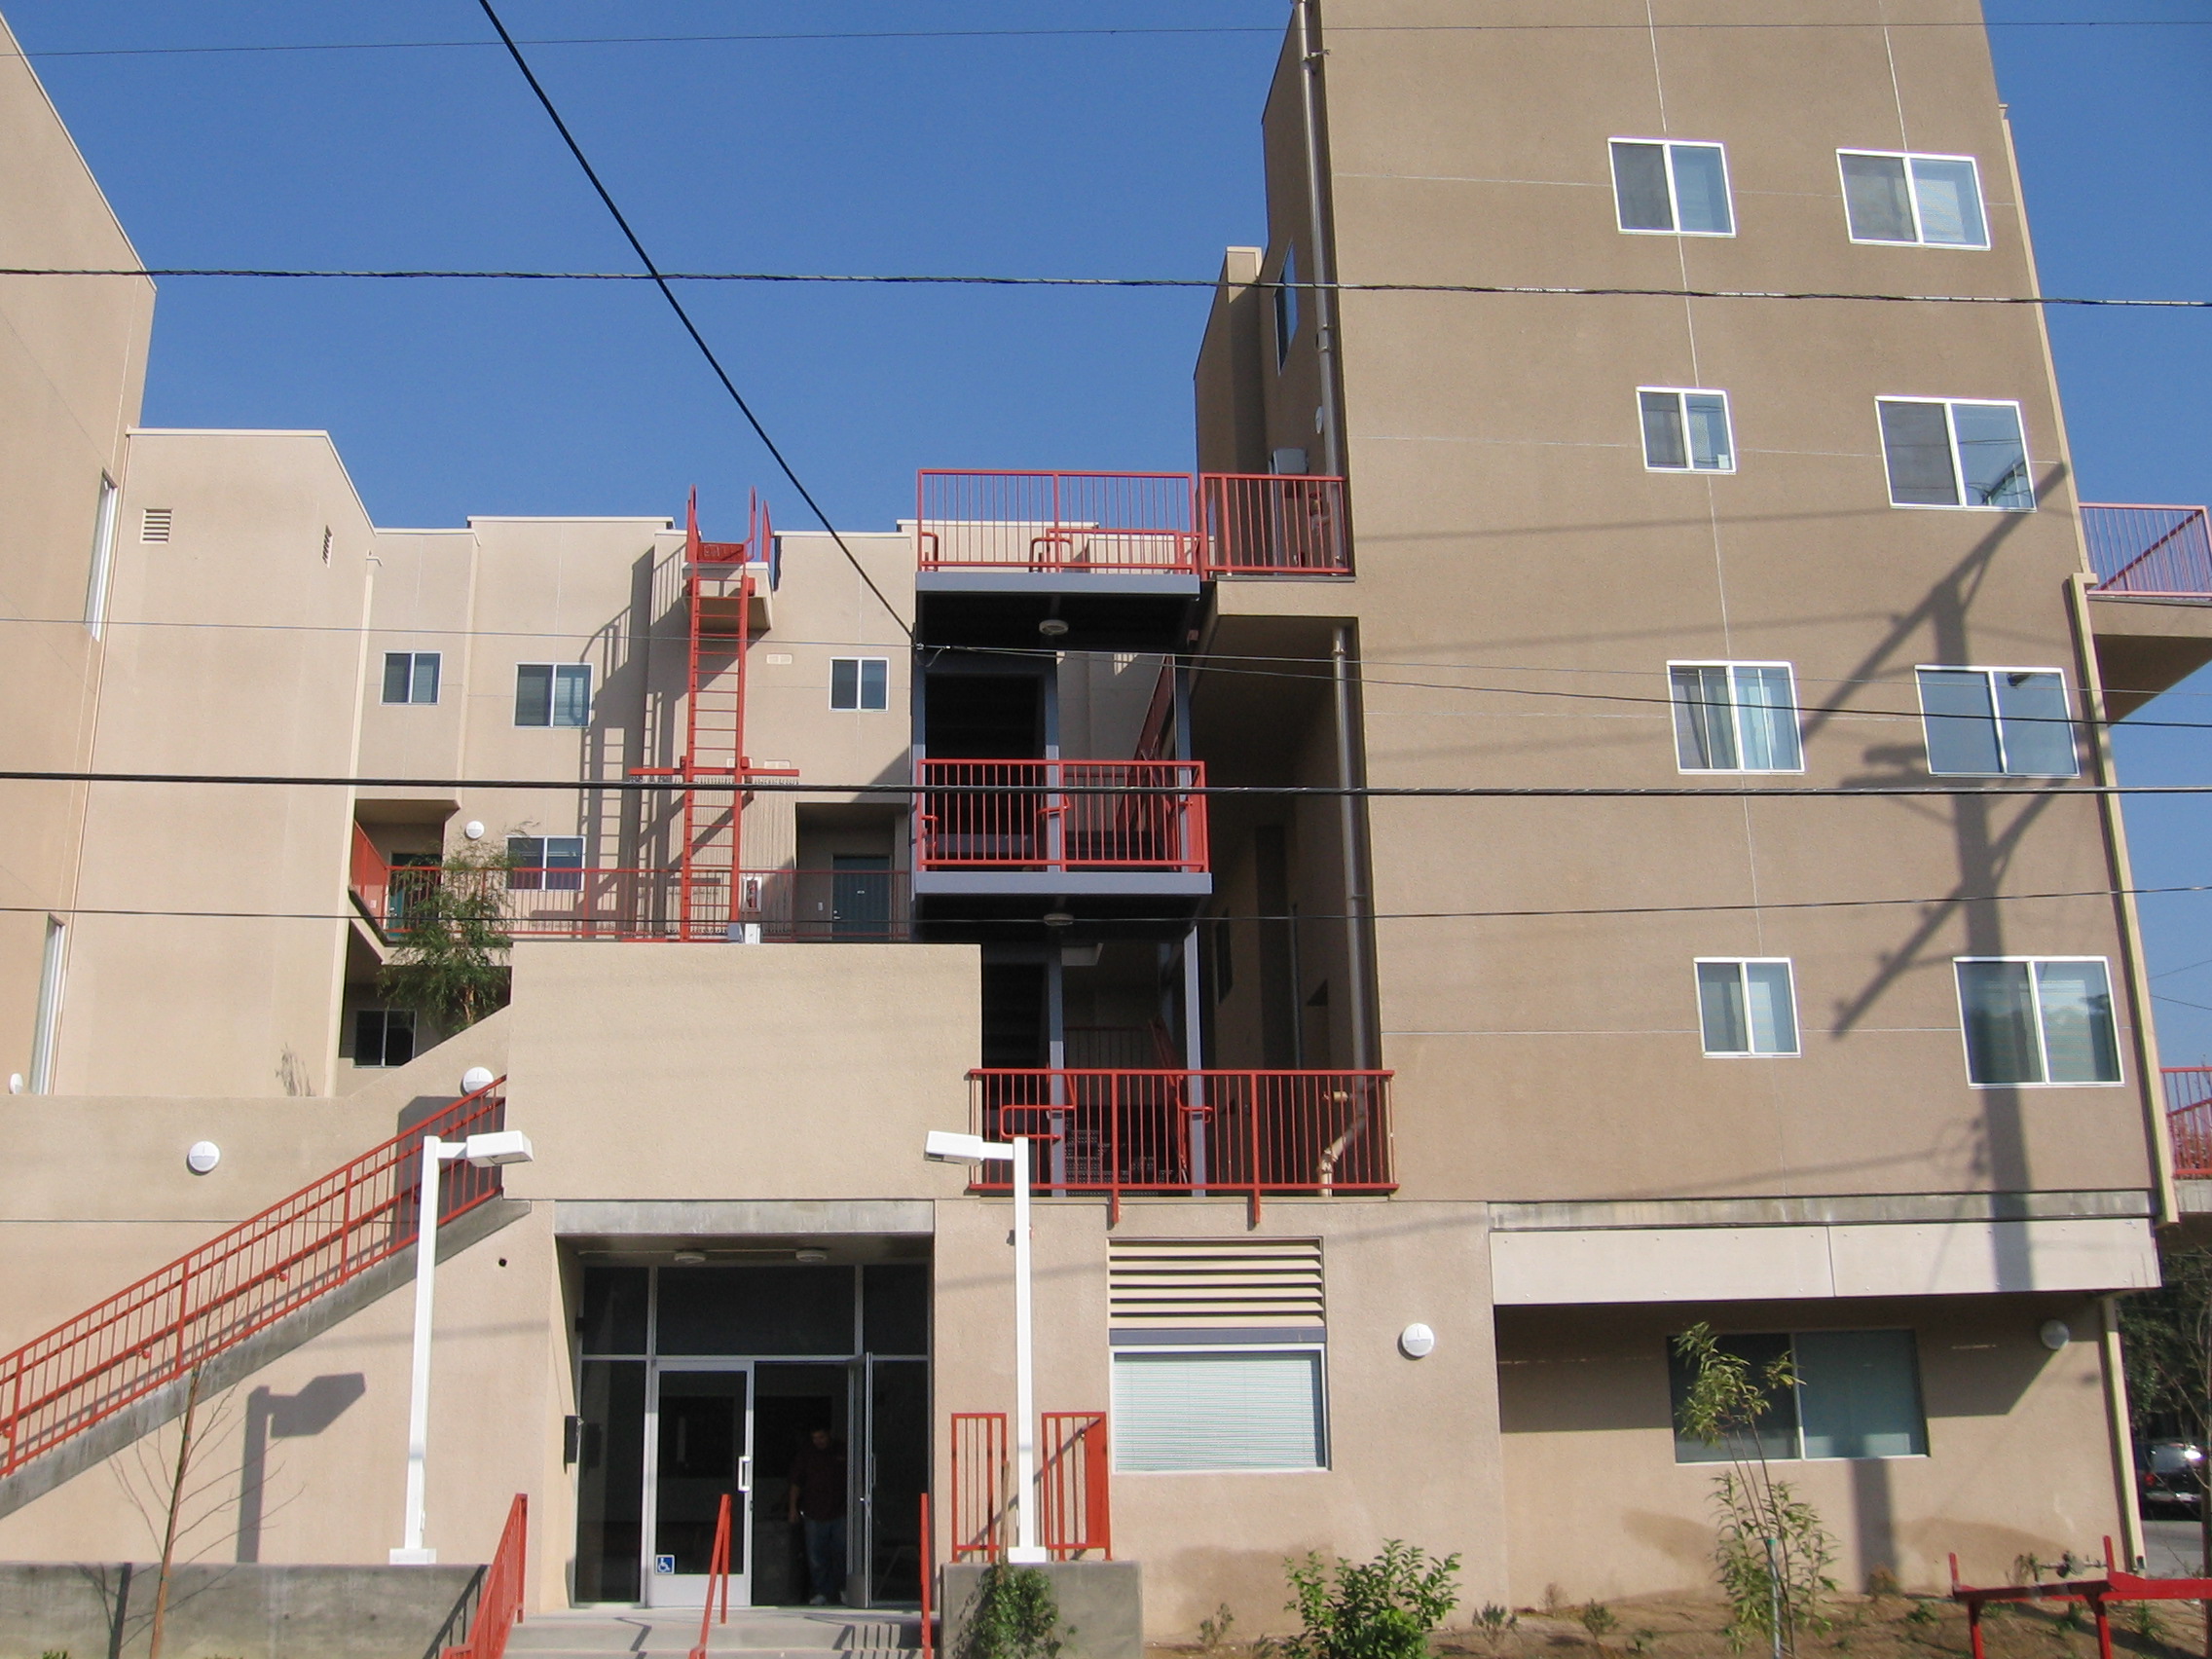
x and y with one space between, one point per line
898 280
1521 914
1095 32
1329 791
653 274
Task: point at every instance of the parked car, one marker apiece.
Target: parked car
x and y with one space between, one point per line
2169 1478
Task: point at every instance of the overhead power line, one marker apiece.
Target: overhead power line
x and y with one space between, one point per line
663 279
654 273
1516 914
1331 791
1102 31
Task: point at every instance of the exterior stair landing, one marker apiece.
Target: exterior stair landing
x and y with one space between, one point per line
755 1632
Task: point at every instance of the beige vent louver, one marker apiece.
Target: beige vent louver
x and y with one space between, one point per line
154 524
1226 1284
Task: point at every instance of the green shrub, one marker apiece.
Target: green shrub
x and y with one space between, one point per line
1379 1610
1597 1618
1016 1616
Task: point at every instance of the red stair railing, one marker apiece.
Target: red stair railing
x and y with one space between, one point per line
982 1494
498 1605
718 1577
177 1319
2149 551
1063 815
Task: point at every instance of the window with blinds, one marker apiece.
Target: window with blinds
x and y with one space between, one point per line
1218 1354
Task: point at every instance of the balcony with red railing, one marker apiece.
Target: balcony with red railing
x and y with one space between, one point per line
616 903
1169 1133
2189 1120
2149 552
1030 525
1056 816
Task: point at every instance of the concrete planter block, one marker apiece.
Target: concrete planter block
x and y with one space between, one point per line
106 1608
1101 1606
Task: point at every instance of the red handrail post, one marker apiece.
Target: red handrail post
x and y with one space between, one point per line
928 1554
499 1604
718 1577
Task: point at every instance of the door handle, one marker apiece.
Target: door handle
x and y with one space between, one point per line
745 1474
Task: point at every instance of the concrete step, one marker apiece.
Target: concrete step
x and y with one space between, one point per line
753 1632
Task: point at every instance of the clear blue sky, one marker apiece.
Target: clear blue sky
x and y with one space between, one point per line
1133 154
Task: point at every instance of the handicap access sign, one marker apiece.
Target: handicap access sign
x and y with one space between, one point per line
664 1564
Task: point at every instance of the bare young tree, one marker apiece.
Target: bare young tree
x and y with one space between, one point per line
2166 1346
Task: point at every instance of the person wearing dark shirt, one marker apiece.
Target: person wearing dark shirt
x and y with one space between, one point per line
818 1501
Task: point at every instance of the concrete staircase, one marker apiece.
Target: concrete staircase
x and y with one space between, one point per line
753 1632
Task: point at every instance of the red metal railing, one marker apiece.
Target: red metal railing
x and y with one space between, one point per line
239 1284
928 1582
1131 521
370 878
1074 1513
1214 525
1061 814
718 1579
498 1602
2189 1120
2157 552
1190 1134
1260 524
543 902
982 1487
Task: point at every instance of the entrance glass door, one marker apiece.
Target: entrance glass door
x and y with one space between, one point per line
699 1448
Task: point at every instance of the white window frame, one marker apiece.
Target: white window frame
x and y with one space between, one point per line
413 1029
46 1031
1286 308
410 701
1958 460
1682 411
2042 1035
859 704
553 696
1912 197
1740 963
1674 196
1989 671
547 877
1797 1453
1735 719
1318 1347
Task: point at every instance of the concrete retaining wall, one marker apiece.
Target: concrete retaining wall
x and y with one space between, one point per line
105 1610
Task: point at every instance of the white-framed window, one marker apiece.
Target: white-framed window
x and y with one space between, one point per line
2037 1021
860 683
1747 1006
103 558
1892 196
1286 308
1858 1395
383 1036
552 694
1997 722
1664 187
1686 430
1232 1407
545 864
410 677
52 966
1735 716
1953 452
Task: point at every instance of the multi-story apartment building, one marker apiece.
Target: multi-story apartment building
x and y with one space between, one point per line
1571 824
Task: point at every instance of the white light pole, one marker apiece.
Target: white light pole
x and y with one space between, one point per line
502 1146
944 1147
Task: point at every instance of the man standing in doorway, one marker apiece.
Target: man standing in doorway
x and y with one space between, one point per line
817 1500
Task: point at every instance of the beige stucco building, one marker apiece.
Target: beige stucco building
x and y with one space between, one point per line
1773 969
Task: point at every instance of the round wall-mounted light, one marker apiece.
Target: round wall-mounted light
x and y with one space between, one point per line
2056 1334
200 1157
810 1254
1057 919
475 1077
473 830
14 1083
1417 1342
1053 628
691 1258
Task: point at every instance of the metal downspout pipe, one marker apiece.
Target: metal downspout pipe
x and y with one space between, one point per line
1354 856
1319 255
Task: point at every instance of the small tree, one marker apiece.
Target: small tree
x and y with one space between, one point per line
451 940
1771 1552
2166 1352
1379 1610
